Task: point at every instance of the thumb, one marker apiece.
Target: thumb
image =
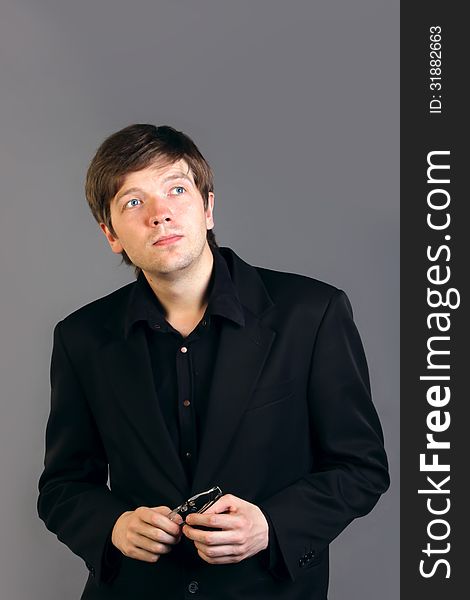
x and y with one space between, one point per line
163 510
225 504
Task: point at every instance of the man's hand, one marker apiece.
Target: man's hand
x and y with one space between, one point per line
243 531
146 533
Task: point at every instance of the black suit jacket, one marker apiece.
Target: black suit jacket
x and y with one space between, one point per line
290 427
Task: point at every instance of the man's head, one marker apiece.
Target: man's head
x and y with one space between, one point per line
152 152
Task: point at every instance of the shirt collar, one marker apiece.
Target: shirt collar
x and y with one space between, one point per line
223 299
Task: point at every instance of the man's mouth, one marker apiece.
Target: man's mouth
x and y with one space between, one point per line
167 239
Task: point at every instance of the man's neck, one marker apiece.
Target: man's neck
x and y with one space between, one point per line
186 294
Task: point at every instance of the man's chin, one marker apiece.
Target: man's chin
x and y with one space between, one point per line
162 268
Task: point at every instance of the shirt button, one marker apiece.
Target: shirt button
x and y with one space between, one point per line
188 454
183 349
156 326
204 323
186 402
193 587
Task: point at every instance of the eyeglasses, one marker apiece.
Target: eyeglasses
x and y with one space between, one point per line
196 504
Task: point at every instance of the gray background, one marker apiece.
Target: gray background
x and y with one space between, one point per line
296 107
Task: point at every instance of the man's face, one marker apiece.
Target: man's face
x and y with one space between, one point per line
159 218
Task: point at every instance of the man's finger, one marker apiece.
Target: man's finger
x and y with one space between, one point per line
141 554
212 538
148 515
144 543
160 520
218 521
158 535
228 556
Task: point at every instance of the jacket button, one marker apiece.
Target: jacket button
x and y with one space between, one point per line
193 587
302 563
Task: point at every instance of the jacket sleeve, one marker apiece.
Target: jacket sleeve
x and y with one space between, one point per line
350 469
74 499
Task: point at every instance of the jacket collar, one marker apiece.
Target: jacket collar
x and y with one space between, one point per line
247 284
223 299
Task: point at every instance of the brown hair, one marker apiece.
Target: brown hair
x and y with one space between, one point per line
134 148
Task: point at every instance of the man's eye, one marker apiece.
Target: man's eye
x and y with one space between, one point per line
178 190
133 202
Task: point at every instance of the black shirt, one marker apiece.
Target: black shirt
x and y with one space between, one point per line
182 366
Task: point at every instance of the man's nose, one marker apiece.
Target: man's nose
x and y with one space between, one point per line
159 211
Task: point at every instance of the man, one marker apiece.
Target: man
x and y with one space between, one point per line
205 371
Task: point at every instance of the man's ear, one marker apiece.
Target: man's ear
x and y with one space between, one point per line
115 244
210 210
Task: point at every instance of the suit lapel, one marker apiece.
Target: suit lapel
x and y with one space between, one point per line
240 360
128 368
241 356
